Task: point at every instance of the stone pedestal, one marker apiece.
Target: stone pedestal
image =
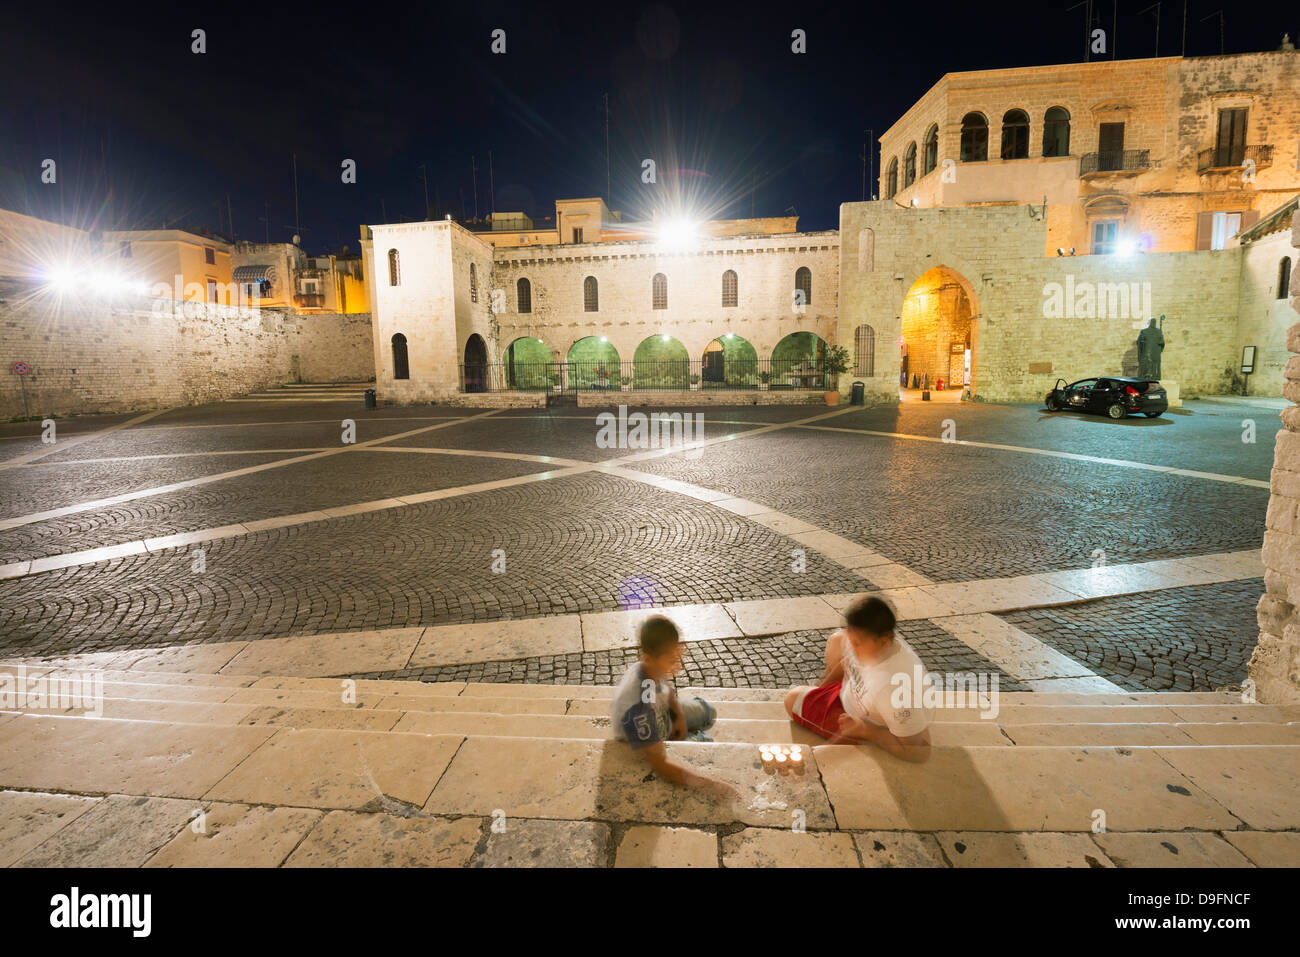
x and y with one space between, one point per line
1275 665
1171 390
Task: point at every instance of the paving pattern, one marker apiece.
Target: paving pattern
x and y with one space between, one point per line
596 542
775 661
1183 639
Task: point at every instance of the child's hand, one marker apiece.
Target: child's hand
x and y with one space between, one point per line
723 792
851 727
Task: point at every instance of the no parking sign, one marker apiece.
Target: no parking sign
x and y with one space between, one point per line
21 368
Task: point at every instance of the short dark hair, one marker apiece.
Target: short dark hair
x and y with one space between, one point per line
656 635
872 615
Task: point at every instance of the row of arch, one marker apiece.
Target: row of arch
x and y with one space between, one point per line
591 287
975 143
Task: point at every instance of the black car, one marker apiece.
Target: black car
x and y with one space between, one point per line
1113 395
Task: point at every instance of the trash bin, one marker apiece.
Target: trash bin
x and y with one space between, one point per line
370 399
859 396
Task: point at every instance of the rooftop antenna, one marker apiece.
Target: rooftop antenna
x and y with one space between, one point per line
1156 8
492 188
230 219
868 161
608 199
425 176
297 224
473 172
1219 14
1087 28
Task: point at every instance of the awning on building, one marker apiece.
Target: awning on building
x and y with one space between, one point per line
244 274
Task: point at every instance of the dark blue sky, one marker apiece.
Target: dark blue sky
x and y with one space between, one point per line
115 96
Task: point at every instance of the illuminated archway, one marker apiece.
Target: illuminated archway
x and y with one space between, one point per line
729 361
798 362
527 363
593 363
939 326
661 362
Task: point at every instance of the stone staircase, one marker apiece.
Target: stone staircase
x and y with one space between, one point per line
292 771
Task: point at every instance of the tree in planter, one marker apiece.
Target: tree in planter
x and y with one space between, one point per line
626 382
835 365
763 377
695 380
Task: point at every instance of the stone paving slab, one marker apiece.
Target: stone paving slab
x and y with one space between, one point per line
1267 848
334 719
1098 735
27 818
618 629
347 839
604 780
899 849
1242 732
770 616
119 831
481 704
237 835
1035 849
647 846
1176 849
336 654
486 641
208 658
1014 789
1270 803
525 843
338 769
762 847
115 756
288 698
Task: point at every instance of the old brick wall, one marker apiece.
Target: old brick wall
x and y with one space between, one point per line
1275 665
1263 318
88 356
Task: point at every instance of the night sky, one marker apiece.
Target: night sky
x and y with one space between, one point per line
710 91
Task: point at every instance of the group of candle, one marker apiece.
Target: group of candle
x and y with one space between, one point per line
781 757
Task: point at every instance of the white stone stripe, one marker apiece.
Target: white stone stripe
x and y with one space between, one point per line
1077 456
75 440
175 455
19 520
1019 654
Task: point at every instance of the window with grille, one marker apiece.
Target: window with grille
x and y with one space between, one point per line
803 283
394 273
864 347
209 255
590 294
659 291
473 283
524 295
730 288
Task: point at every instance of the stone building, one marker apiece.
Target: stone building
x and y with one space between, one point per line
1171 154
283 276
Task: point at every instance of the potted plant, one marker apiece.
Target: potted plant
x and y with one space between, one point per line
695 380
834 365
555 381
762 380
627 383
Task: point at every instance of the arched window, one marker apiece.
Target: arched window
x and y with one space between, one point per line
1015 135
864 349
1284 277
930 154
590 295
891 180
974 138
401 366
524 295
909 166
730 288
473 283
659 291
1056 131
394 272
803 283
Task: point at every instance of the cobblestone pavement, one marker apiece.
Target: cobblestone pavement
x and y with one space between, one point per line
593 542
957 513
777 661
1197 638
589 542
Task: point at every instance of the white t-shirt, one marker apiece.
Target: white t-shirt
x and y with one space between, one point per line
867 690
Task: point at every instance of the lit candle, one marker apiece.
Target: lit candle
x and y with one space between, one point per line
782 762
796 761
769 761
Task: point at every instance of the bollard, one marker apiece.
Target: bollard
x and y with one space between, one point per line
370 399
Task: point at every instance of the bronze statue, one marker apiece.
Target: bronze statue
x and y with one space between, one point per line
1151 343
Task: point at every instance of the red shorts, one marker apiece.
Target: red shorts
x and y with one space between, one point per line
820 710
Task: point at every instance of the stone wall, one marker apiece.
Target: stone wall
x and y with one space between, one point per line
1263 318
88 356
1275 665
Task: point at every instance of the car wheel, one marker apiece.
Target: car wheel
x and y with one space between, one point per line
1052 404
1116 411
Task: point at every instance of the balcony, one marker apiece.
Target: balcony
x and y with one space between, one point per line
1114 161
309 300
1225 158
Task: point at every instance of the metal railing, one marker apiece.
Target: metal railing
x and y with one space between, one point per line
1234 157
668 375
1114 161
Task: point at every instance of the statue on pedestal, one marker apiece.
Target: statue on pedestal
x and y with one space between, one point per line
1151 343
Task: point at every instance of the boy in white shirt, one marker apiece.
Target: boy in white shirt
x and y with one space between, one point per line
868 668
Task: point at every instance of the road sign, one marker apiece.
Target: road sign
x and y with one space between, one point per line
21 368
